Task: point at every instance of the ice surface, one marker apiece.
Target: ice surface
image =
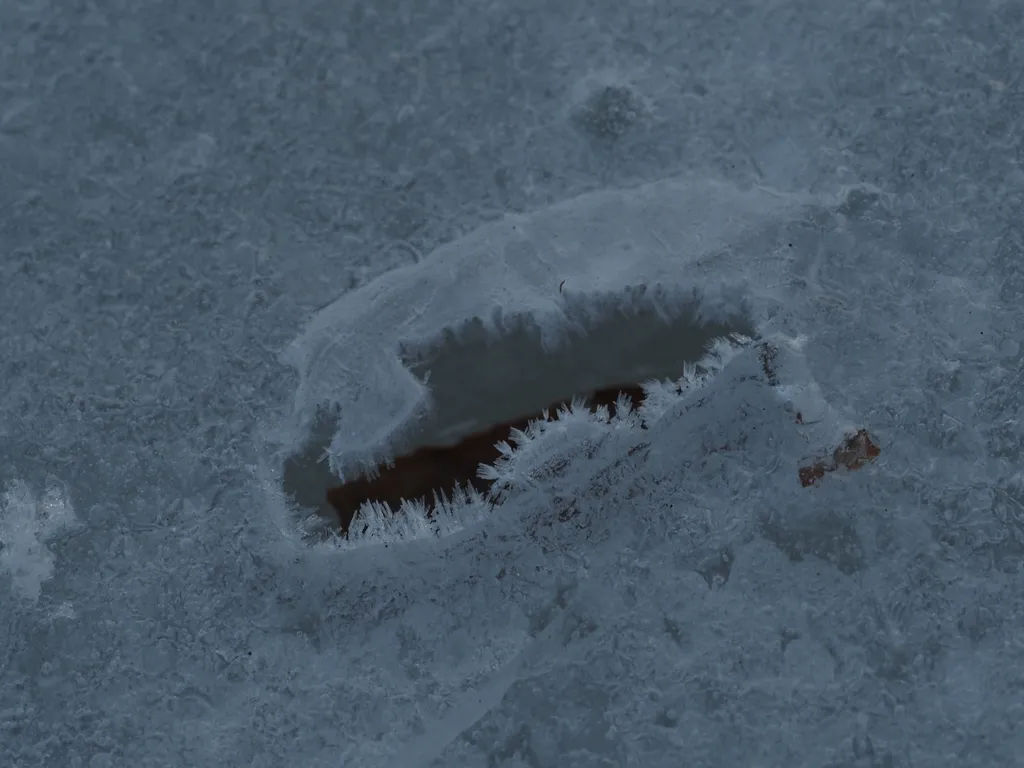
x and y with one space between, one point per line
188 190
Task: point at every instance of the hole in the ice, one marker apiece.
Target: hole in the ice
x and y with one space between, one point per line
477 382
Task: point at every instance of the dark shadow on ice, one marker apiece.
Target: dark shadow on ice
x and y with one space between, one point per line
478 381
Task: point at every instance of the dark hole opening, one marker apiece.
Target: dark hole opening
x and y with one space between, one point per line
478 381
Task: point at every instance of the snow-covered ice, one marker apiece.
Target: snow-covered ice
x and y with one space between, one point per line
220 222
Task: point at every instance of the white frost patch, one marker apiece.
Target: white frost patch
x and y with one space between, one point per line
27 523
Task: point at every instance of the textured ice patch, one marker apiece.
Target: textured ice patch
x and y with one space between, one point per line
27 523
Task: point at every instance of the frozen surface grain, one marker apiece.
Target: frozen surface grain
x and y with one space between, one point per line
185 186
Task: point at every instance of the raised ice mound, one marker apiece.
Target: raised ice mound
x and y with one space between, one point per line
695 245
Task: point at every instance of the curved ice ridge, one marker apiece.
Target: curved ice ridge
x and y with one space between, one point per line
679 242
